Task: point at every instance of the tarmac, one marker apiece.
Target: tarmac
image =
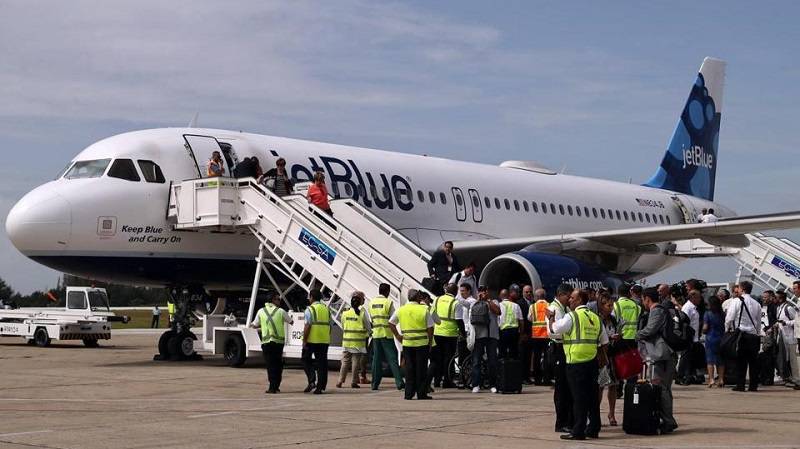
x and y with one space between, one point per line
116 396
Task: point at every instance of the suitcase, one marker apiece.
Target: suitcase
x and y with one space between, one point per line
509 376
641 413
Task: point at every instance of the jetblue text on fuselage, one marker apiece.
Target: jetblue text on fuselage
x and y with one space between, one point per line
696 155
383 190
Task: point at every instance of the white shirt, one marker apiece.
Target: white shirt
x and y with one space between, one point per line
748 323
710 218
694 318
515 309
788 314
471 280
564 325
463 304
726 304
156 312
560 312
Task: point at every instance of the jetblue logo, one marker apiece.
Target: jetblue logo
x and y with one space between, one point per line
316 246
385 191
696 155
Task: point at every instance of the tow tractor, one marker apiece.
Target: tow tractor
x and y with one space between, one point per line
86 317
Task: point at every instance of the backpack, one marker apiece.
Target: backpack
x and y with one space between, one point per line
479 313
677 332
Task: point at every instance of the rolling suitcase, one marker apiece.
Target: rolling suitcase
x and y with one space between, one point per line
641 413
509 376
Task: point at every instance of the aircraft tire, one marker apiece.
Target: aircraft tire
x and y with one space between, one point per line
163 344
90 342
235 351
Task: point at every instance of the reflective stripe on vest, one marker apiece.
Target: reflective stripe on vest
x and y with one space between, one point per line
445 307
270 331
354 333
627 312
509 320
411 318
580 343
320 331
379 315
539 323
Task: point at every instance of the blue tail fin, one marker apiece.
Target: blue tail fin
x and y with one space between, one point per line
690 163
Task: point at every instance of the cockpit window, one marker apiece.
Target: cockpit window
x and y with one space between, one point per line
151 171
123 169
63 170
87 169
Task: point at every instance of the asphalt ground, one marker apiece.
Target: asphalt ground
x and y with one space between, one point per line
116 396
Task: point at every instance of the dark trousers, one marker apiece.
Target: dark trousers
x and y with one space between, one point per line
747 357
538 346
273 357
509 343
488 346
463 351
416 359
154 321
582 378
383 349
316 371
441 354
562 396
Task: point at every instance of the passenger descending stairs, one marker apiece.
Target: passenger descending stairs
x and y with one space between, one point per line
354 250
772 262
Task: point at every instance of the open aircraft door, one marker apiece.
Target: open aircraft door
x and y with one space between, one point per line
201 148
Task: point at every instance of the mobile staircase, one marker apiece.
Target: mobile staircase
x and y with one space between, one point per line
352 251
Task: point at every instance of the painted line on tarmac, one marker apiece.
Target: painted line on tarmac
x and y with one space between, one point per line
234 412
16 434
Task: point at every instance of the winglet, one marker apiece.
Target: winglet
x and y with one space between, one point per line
193 122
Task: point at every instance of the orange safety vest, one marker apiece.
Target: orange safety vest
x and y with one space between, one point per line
539 323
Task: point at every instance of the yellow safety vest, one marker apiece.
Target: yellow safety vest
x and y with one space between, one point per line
628 312
539 324
445 307
271 330
509 320
580 342
320 331
354 333
414 326
379 314
170 308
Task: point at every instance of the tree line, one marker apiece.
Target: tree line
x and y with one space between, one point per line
118 295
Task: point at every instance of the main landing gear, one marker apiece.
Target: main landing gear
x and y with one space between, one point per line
178 342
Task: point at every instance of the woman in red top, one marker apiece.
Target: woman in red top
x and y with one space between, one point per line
318 193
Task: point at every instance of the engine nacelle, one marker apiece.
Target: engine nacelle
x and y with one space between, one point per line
543 270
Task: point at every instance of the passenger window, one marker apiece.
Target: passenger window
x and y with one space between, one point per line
151 171
516 205
87 169
76 300
641 219
647 217
625 214
661 218
544 208
525 206
594 212
553 208
496 203
668 220
619 216
586 211
578 210
476 202
610 215
487 202
633 216
459 200
561 208
123 169
442 198
420 196
569 209
602 213
535 206
506 203
654 219
432 197
348 190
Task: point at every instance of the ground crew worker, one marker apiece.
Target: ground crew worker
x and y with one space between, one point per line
272 321
383 349
583 334
355 328
445 335
316 339
561 392
416 324
539 339
510 324
627 312
170 312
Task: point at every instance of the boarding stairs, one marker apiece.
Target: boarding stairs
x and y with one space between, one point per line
772 262
354 250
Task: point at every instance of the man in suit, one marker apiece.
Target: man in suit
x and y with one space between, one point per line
442 265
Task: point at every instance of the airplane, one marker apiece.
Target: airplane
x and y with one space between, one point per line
104 216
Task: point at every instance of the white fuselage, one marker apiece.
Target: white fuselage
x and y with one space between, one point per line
116 229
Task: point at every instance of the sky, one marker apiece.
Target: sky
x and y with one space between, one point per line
593 88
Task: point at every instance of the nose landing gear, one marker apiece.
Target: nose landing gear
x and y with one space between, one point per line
178 342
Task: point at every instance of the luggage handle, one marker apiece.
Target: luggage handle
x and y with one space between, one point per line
643 376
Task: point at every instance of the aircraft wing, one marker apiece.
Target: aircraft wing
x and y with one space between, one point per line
726 232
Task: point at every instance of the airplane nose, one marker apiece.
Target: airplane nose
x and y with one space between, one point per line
40 222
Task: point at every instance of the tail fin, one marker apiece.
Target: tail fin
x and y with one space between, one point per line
690 163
